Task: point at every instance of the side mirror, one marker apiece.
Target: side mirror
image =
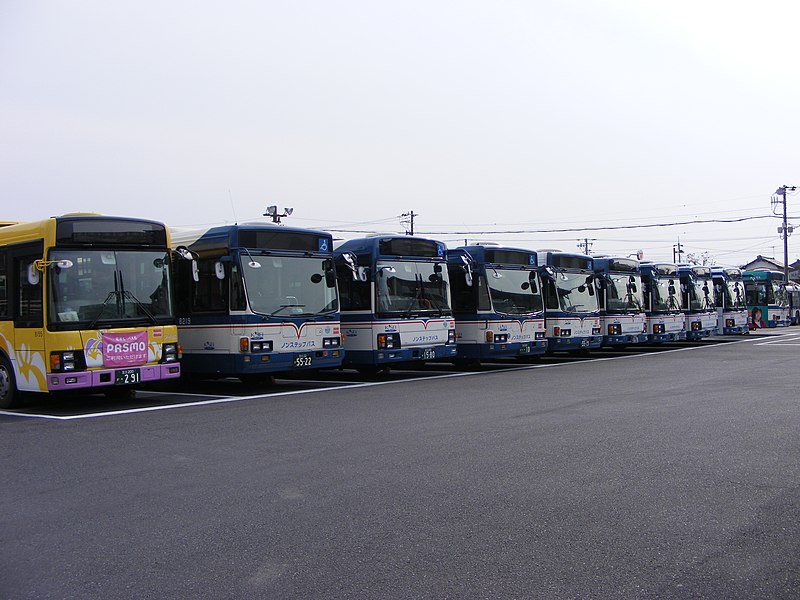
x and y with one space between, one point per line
361 274
532 282
195 271
34 277
219 270
467 266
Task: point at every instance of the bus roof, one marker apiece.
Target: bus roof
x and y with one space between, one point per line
495 254
398 246
231 236
608 264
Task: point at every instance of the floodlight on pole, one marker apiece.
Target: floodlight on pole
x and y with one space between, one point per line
272 212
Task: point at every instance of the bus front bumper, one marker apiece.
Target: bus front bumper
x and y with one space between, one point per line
508 350
559 344
658 338
73 380
400 355
623 340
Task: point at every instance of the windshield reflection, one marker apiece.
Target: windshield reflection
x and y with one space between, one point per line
700 295
97 286
665 296
624 293
576 293
514 292
409 287
290 286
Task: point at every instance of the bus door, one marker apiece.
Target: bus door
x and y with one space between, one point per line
28 352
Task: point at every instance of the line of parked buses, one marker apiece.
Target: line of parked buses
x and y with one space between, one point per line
98 303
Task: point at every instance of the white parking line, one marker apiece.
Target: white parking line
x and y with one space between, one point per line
226 400
787 339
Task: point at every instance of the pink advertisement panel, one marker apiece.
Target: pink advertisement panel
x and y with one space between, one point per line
124 349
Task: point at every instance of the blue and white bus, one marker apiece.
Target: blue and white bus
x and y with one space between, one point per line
666 321
395 294
765 294
730 301
572 311
256 299
622 317
497 303
697 289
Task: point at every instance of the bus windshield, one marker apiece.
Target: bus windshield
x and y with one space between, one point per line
408 287
290 285
765 292
624 293
88 287
665 296
514 292
700 295
576 292
732 294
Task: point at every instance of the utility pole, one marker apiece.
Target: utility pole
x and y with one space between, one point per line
784 231
677 252
586 245
408 219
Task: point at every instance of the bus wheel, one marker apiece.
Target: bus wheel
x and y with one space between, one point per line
9 398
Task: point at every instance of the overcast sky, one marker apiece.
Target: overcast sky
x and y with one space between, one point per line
478 116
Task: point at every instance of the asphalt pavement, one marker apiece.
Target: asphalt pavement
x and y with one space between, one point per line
658 475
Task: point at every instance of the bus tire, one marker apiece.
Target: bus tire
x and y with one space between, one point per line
9 395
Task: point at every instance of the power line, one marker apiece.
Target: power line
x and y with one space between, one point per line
576 229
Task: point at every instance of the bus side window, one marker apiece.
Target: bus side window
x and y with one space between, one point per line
3 288
484 303
28 304
354 295
238 297
550 294
210 293
463 296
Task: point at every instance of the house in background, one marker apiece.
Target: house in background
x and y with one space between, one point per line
765 262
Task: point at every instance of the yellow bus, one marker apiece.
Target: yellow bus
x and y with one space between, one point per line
85 304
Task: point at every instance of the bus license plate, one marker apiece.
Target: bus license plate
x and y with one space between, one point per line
126 377
584 342
428 354
525 349
301 360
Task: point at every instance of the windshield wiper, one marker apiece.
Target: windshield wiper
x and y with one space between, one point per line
285 306
140 304
111 295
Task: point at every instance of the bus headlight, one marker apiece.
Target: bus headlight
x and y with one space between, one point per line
388 341
539 335
501 338
256 346
70 360
658 328
566 332
169 353
332 342
595 331
695 325
451 336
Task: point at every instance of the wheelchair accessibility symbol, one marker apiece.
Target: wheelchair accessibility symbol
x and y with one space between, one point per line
323 244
